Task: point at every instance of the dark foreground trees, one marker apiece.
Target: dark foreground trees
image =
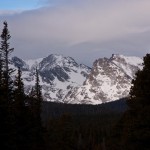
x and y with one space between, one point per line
7 132
138 132
20 128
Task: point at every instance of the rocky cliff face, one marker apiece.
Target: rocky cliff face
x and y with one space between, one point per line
58 75
109 79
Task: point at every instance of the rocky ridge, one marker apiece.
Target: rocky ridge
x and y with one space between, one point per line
109 80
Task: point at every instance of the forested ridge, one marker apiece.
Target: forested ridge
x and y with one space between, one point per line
26 122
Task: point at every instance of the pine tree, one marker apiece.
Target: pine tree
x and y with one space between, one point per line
36 96
140 90
0 72
5 52
19 95
136 131
35 104
1 75
7 132
20 111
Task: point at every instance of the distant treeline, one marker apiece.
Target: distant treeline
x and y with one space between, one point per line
53 109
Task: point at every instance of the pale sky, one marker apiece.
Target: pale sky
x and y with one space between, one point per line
83 29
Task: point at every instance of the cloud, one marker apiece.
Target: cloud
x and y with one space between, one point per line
83 29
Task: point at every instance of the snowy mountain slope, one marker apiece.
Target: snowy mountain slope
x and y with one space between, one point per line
58 75
110 79
64 80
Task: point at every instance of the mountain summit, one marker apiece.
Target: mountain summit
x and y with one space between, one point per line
58 75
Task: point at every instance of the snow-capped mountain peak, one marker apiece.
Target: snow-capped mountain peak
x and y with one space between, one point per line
58 75
57 60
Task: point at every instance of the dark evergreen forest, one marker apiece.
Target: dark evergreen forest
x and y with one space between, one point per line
26 122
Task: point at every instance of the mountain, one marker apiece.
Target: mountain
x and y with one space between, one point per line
64 80
58 75
109 80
